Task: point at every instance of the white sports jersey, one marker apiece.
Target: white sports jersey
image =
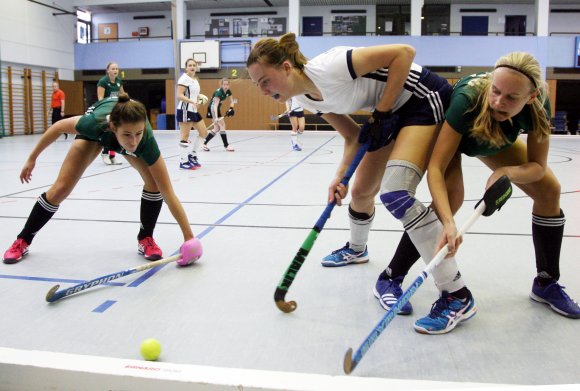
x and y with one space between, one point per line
295 106
345 93
192 90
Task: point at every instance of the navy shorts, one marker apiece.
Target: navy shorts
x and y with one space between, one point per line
187 116
429 101
297 114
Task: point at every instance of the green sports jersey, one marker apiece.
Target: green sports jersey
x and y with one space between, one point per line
219 93
93 125
111 88
461 120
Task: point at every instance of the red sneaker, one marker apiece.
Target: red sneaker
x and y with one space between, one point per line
15 253
149 249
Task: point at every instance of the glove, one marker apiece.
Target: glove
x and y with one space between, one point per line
230 112
380 130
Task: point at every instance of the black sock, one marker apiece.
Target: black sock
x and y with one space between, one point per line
462 294
547 233
208 138
41 213
151 204
224 137
405 257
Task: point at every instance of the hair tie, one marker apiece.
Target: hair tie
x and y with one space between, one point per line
520 71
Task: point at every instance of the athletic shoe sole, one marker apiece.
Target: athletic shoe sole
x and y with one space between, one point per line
538 299
344 263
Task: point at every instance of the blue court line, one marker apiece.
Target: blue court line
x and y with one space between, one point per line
103 307
206 231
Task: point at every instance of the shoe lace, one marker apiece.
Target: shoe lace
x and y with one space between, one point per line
18 245
440 306
345 247
149 242
560 289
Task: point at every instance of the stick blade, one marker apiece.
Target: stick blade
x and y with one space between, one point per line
347 364
51 292
286 306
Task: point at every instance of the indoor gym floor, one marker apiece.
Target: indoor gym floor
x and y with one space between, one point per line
252 210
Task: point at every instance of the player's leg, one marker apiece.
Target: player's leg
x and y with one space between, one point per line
224 136
78 158
198 140
294 133
361 211
547 231
184 143
211 134
301 127
151 203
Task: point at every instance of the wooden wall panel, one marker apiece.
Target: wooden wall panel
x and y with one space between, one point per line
74 102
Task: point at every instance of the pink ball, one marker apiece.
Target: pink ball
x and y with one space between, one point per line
190 252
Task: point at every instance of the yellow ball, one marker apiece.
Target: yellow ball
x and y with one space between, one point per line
150 349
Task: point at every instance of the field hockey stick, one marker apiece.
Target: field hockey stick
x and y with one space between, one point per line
494 198
213 123
275 117
189 252
296 264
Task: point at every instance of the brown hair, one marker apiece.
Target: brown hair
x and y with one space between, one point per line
273 52
127 110
488 130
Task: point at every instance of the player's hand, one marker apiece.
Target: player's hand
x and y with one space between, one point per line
450 239
380 130
337 191
230 112
26 173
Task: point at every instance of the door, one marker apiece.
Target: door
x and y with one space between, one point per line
312 25
515 25
474 25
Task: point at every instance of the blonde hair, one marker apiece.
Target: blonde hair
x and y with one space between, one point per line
485 128
272 52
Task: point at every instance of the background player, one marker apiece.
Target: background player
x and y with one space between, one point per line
296 116
214 112
110 85
120 124
188 90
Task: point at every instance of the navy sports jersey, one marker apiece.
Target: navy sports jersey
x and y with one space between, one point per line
94 125
461 117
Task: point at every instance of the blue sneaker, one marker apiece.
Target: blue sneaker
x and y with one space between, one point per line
296 147
193 161
345 256
446 313
388 291
554 296
187 166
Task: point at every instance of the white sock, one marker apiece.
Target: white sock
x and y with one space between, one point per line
360 227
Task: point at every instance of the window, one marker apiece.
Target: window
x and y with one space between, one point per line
83 27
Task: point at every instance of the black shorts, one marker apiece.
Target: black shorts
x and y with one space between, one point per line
211 116
429 101
297 114
187 116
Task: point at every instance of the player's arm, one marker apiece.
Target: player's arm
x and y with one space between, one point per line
100 93
214 106
181 95
348 128
446 147
51 135
161 176
397 58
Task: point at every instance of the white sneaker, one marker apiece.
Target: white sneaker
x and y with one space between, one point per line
114 161
106 159
229 148
205 148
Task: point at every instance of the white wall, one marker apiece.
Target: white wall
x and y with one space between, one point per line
127 25
564 22
32 36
